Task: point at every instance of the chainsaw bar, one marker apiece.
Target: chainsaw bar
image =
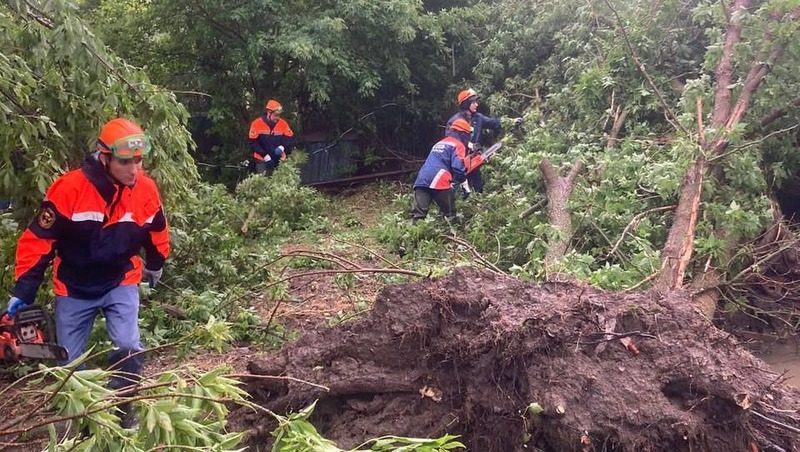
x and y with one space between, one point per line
42 351
493 149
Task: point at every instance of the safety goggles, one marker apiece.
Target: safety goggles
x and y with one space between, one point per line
128 147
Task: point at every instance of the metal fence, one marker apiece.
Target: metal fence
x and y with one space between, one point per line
329 161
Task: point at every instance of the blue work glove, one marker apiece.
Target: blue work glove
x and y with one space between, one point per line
14 305
152 276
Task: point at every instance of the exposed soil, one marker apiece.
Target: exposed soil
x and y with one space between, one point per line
466 354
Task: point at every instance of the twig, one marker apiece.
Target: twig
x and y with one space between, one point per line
751 143
475 253
373 253
610 336
341 135
322 255
634 222
670 116
643 282
532 209
748 269
776 423
272 313
700 130
358 270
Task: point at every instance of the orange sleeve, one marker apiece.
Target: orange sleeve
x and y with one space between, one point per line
36 246
157 246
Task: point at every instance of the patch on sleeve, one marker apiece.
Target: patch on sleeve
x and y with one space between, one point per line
46 218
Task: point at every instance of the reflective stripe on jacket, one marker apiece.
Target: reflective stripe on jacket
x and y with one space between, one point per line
264 138
444 165
92 230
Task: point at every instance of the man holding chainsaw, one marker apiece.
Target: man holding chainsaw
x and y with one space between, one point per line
92 224
447 165
271 138
467 101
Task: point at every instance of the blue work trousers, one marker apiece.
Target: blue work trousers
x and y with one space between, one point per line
75 318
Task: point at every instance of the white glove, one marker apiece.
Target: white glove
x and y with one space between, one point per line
280 150
152 276
518 121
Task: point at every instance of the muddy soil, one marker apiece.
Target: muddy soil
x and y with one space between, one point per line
466 354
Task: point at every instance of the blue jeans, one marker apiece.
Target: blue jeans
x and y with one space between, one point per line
75 318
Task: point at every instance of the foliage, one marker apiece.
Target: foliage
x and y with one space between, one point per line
178 408
296 434
59 84
329 63
568 68
223 245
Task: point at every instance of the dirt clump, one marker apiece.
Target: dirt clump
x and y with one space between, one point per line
468 353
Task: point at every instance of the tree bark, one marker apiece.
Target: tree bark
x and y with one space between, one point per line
726 115
559 190
678 249
616 128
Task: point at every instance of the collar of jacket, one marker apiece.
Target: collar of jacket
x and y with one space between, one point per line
271 124
102 181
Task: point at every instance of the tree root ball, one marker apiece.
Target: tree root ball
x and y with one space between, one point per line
510 366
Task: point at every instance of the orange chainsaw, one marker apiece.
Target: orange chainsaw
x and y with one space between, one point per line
28 335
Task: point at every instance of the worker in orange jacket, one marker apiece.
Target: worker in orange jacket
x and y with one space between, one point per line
446 166
271 138
92 224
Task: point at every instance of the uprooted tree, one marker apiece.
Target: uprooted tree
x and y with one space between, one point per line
514 366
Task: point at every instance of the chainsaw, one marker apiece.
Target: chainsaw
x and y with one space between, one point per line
484 157
28 335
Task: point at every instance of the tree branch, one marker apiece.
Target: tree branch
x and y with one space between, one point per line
724 72
668 111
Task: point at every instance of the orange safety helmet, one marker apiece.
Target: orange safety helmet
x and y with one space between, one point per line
123 139
461 125
273 106
466 95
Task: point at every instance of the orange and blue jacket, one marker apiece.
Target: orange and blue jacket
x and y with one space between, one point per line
93 231
447 164
265 137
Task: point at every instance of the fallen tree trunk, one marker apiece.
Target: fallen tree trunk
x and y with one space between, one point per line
467 354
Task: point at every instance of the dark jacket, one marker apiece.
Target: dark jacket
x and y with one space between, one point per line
265 137
478 121
92 230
